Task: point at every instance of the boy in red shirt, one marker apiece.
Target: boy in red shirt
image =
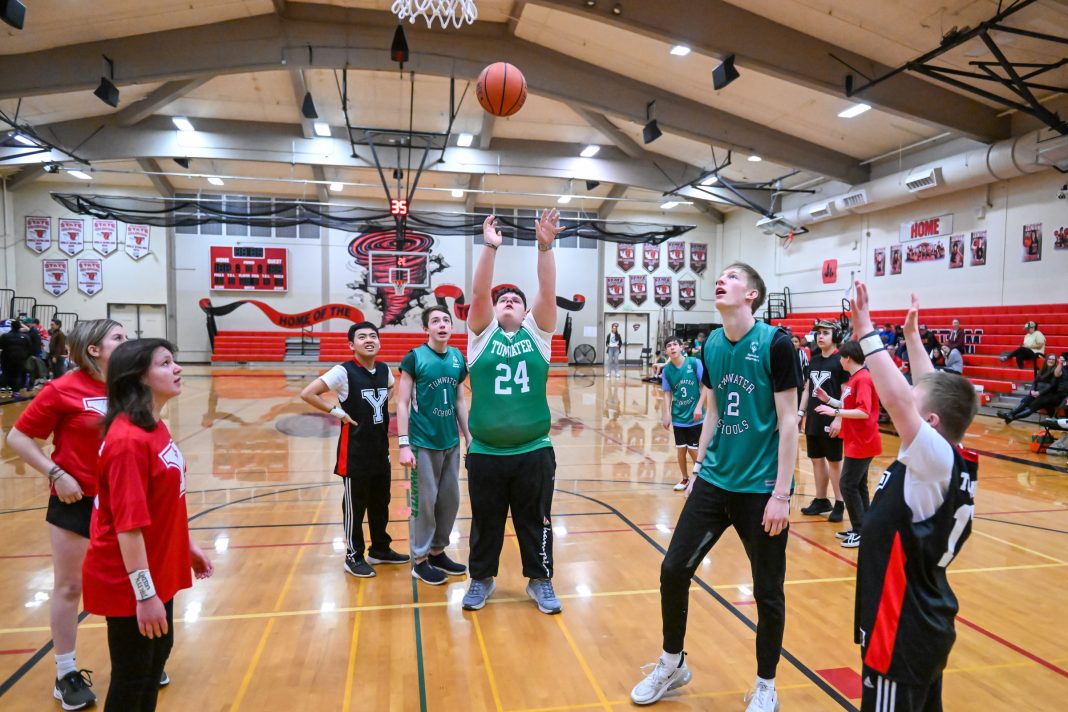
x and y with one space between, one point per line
859 411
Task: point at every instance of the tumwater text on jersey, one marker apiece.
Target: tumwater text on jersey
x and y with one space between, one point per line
510 350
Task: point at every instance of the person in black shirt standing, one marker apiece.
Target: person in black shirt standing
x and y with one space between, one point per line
919 518
15 348
824 378
362 386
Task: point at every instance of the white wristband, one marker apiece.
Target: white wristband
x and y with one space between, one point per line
141 580
402 440
800 414
872 343
697 467
338 413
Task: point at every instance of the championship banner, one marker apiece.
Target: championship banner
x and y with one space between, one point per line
105 236
71 235
137 241
90 276
56 279
624 256
978 248
687 293
662 290
638 289
698 257
676 258
613 291
1032 242
313 316
38 233
651 257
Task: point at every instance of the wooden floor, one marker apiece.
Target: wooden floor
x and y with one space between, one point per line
281 626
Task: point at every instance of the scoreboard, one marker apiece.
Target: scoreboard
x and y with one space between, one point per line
249 269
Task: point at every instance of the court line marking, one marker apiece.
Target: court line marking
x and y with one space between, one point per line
603 700
486 661
353 646
1019 546
1023 524
666 698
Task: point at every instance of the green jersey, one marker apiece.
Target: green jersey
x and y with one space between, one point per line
432 417
744 453
684 384
509 411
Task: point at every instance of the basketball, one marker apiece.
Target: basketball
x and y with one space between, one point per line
501 89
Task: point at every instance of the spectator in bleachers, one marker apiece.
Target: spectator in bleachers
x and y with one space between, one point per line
57 349
956 337
15 348
933 346
1047 391
1034 345
953 360
888 335
36 342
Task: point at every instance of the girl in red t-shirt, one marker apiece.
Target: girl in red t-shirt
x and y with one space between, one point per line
140 552
70 410
859 411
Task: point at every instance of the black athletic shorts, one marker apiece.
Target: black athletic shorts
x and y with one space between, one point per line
72 517
824 446
687 436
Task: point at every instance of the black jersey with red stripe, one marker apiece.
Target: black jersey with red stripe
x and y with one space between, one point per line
905 606
364 447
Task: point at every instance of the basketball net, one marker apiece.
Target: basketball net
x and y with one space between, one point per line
398 286
448 12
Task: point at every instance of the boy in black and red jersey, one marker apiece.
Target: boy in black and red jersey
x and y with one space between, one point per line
920 517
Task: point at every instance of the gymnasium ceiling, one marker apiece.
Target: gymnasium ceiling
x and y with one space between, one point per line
238 69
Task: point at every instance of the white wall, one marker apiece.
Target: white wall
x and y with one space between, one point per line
1002 209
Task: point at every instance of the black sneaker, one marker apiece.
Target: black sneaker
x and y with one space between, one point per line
387 557
837 512
819 506
358 567
429 574
72 690
843 534
443 562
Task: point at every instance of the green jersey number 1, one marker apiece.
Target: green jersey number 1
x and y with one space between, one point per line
502 384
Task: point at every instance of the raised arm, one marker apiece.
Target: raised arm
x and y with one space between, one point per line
919 359
481 313
544 307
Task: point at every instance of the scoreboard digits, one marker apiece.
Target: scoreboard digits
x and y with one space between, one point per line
244 269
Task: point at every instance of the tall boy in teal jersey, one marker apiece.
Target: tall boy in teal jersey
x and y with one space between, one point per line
511 463
743 478
431 416
683 409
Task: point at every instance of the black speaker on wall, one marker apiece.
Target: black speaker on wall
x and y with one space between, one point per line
13 13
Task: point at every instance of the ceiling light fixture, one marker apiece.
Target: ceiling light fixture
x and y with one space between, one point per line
81 175
23 139
107 92
564 199
457 192
853 111
464 140
322 129
754 159
617 9
680 50
590 151
214 180
669 205
337 187
182 124
651 131
725 73
711 180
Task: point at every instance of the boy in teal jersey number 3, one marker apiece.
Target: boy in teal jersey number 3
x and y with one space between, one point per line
743 478
511 463
431 415
683 406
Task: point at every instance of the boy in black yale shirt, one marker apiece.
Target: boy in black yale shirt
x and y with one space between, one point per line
920 517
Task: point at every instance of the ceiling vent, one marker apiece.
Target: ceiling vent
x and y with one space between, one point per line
1054 152
924 180
822 211
849 201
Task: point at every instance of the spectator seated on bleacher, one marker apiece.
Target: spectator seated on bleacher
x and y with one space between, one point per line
656 367
1048 391
1034 346
888 335
954 362
955 339
933 346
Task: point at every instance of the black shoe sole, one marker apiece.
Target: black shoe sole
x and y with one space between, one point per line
442 582
353 573
375 560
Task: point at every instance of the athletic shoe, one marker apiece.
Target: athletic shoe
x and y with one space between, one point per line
72 690
852 541
164 679
819 505
387 557
681 486
429 574
837 512
843 534
443 562
762 698
478 592
358 567
660 681
541 591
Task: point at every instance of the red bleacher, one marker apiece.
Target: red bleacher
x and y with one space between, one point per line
999 329
334 346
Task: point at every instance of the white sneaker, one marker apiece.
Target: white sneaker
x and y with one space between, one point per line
852 541
681 486
660 681
762 698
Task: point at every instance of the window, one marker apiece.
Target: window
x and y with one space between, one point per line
257 208
526 218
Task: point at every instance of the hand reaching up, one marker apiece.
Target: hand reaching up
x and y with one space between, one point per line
490 233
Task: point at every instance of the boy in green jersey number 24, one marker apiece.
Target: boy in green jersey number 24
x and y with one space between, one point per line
511 463
431 415
743 478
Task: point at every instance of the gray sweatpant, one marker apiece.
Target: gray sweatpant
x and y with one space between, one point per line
435 499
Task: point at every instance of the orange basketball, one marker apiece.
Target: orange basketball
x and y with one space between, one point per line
501 89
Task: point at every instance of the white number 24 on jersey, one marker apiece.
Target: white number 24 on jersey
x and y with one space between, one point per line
502 385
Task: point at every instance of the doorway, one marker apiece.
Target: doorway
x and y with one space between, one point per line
634 328
141 321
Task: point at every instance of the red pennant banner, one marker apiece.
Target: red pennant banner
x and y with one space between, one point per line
639 289
137 237
56 279
676 258
613 291
698 257
662 290
90 276
71 235
687 293
651 257
624 256
105 236
38 234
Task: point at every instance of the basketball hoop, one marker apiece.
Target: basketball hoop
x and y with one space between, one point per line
398 286
448 12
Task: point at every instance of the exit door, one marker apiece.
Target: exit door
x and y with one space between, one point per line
141 321
634 328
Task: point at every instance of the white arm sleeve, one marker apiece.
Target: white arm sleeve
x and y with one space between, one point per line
929 467
337 380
